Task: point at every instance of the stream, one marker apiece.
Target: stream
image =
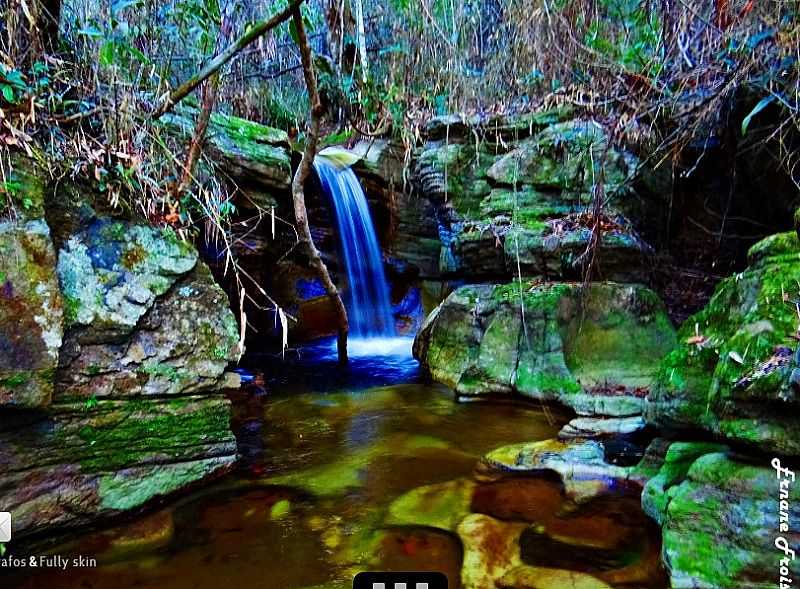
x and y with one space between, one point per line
312 501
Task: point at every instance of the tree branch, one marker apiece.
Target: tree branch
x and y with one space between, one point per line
300 176
256 31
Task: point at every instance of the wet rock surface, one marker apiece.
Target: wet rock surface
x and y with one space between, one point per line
719 517
116 346
732 371
596 351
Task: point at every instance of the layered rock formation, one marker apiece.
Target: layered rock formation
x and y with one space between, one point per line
114 343
509 194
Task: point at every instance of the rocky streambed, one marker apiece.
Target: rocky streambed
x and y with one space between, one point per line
617 443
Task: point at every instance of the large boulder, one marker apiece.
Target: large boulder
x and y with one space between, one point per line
144 316
30 314
721 515
734 372
594 349
115 339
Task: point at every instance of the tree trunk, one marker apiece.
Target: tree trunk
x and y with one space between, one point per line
298 194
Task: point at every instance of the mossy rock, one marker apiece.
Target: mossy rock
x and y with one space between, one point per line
23 186
251 153
720 522
595 350
565 156
112 271
731 373
30 314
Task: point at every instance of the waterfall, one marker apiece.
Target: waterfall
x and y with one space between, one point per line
367 295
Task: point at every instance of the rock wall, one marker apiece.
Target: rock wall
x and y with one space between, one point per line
114 341
509 193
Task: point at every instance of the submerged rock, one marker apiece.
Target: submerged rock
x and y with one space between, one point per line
595 351
580 465
491 550
732 372
528 577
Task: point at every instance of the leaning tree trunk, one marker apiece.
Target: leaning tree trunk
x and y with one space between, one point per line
298 194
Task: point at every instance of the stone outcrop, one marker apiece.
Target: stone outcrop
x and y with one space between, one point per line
115 340
720 514
511 196
734 372
596 350
733 376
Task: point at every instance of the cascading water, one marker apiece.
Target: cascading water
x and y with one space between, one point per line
367 294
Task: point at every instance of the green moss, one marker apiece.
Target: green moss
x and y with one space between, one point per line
249 130
749 315
124 490
547 383
120 435
16 380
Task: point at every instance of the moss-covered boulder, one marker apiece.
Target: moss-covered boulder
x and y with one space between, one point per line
733 372
118 337
594 349
513 196
720 515
30 314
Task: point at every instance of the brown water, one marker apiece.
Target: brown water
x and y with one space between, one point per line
309 506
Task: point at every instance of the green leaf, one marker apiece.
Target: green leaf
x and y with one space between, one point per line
8 93
762 104
107 52
293 32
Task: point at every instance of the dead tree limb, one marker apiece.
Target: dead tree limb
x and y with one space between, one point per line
209 98
298 194
253 33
